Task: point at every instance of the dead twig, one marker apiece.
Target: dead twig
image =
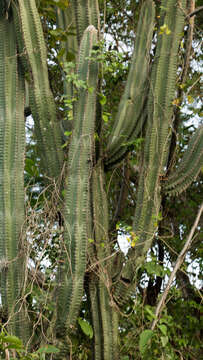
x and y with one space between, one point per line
178 264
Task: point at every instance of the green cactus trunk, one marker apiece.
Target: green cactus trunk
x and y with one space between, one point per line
104 313
129 119
157 142
41 99
77 206
12 152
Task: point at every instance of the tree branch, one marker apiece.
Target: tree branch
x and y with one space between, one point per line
178 263
193 13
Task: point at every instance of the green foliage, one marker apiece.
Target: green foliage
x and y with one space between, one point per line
145 337
8 342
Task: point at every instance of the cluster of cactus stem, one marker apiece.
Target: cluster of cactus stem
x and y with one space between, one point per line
145 107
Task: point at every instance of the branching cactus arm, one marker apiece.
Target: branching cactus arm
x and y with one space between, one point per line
157 140
129 120
65 20
189 167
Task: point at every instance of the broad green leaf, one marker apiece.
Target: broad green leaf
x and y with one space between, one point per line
102 100
164 340
14 341
105 118
145 337
86 327
150 312
49 349
163 329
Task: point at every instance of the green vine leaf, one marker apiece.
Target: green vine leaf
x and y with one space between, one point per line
86 327
145 337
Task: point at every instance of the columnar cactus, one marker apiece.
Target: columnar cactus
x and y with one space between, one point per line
77 204
41 99
146 104
12 150
157 142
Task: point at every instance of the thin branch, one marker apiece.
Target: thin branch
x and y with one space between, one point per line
178 263
193 13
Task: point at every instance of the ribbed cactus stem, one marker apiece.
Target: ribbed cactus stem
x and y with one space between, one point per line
104 315
86 13
12 150
129 120
77 205
41 99
65 20
189 167
162 91
96 316
157 140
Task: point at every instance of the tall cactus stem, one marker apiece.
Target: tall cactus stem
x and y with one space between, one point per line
128 121
77 208
41 99
12 150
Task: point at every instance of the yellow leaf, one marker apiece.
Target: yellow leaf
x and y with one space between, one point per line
164 30
190 99
182 86
133 243
176 102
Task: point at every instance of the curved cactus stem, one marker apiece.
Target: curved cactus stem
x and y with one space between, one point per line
12 152
41 99
129 144
129 119
189 166
77 205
